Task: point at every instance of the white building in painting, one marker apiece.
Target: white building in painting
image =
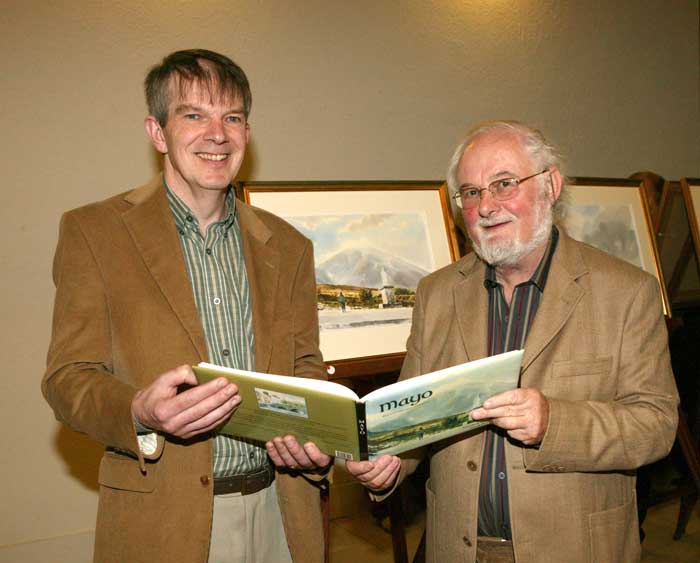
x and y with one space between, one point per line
387 291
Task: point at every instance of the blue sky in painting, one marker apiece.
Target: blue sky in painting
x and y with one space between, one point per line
401 234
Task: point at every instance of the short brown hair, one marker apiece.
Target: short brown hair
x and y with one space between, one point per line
221 76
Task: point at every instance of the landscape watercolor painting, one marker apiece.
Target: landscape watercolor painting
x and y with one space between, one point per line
367 266
372 242
613 215
608 227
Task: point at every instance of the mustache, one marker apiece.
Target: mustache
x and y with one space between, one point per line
491 221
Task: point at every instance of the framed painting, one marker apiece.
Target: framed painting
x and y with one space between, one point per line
678 245
613 215
373 242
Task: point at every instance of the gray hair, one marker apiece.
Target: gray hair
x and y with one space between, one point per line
543 155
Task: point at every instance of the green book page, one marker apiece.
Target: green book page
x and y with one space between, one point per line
431 407
273 405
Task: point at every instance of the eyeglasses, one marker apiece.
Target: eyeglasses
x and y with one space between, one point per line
501 190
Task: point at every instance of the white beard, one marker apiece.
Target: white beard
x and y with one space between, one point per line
511 252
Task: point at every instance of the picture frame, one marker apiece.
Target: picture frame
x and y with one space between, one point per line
677 246
613 215
373 241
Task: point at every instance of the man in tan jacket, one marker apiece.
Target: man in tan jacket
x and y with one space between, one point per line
170 274
552 479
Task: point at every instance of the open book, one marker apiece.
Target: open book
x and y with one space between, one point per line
390 420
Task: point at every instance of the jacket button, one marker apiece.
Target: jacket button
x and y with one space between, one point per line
467 541
471 466
204 480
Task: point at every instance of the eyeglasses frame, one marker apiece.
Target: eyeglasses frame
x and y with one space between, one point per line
460 202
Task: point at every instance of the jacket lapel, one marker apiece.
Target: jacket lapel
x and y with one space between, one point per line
262 262
559 300
152 228
471 307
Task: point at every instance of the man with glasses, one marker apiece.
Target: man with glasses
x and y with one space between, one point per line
167 275
552 478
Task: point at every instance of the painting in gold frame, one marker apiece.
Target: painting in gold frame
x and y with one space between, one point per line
613 215
373 241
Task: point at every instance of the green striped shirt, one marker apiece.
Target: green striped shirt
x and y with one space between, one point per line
222 294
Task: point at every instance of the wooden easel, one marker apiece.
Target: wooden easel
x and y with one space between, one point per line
676 230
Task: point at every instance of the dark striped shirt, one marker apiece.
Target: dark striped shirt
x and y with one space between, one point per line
221 291
507 330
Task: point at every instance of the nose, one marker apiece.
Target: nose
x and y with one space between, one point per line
215 132
487 203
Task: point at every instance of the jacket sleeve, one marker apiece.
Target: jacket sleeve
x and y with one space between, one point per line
79 384
637 426
308 361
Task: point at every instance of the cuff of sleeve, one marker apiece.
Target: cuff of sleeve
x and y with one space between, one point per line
142 428
378 496
538 457
322 471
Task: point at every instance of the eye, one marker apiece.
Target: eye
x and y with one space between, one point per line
504 184
470 193
236 119
192 116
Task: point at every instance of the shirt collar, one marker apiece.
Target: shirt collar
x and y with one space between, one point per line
539 276
186 220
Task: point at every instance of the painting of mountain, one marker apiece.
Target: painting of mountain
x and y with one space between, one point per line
358 250
369 267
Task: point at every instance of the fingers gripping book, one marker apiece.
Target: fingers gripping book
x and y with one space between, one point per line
390 420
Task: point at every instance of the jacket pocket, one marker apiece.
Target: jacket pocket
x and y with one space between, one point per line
122 472
614 534
582 380
573 368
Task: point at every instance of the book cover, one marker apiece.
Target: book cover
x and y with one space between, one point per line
313 410
390 420
435 406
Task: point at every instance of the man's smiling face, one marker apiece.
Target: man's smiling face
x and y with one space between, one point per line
504 232
204 139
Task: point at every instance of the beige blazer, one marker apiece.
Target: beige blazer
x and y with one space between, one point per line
598 350
124 313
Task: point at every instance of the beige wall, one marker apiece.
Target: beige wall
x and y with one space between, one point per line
342 90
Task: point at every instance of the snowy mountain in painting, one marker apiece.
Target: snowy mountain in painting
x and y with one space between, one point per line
363 267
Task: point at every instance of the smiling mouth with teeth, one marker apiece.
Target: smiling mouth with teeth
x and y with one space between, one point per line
208 156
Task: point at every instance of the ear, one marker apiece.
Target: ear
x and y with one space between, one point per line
155 133
554 183
247 132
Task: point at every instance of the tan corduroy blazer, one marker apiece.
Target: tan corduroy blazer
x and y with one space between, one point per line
124 313
598 350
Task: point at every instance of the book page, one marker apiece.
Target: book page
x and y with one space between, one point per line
421 410
302 382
